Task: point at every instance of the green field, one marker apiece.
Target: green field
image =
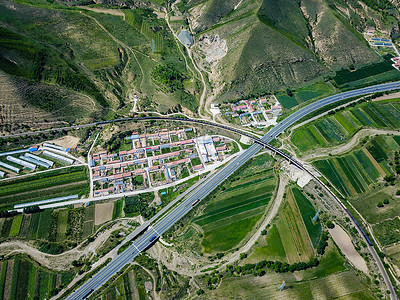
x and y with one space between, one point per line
338 128
293 232
353 173
345 78
37 282
16 225
42 186
234 212
309 92
272 249
308 211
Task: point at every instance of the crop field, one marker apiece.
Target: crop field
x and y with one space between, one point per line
338 128
270 248
309 92
293 232
37 282
375 73
307 211
353 173
234 212
394 253
330 280
42 186
16 225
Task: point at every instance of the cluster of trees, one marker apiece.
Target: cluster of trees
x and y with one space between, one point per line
7 214
259 269
175 109
51 248
380 5
323 243
168 76
140 205
114 143
213 280
382 204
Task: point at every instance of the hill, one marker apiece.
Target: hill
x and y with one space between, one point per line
78 54
281 44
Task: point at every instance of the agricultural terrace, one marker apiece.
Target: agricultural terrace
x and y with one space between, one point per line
338 128
20 278
293 237
42 186
237 208
356 173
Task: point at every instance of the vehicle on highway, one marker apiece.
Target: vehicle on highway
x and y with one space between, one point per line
87 294
152 238
195 202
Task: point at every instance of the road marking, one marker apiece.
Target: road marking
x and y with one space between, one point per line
136 248
156 231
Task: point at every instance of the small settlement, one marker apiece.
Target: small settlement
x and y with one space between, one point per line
156 159
258 112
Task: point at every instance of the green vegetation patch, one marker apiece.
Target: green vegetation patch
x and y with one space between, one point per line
388 231
57 183
16 225
333 130
307 211
345 76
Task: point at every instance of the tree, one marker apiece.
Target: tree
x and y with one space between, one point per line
330 224
380 204
386 201
243 255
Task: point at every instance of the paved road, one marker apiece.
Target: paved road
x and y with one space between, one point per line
154 232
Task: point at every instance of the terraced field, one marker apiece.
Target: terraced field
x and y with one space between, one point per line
230 216
338 128
354 173
22 279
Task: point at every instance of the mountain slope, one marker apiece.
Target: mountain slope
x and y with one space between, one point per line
281 44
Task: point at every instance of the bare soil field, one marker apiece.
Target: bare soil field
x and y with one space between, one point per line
103 212
343 241
66 141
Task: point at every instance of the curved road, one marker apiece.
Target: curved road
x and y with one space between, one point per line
154 232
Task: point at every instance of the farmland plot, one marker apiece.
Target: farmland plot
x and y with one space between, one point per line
237 209
337 129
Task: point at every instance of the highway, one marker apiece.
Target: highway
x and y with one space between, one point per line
146 240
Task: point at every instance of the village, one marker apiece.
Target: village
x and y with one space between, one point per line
259 113
157 159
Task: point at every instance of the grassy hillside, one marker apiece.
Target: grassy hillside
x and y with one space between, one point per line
98 58
274 45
